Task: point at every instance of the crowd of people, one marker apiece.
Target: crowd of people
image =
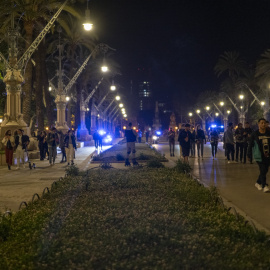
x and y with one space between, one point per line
47 143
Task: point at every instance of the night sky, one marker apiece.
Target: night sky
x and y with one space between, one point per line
179 42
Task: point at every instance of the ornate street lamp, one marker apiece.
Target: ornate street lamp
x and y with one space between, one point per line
87 24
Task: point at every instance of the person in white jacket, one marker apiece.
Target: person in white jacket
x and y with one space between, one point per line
9 144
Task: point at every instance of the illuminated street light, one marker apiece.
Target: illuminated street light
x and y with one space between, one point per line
198 111
241 97
113 87
67 98
228 112
262 103
190 114
241 107
207 108
117 98
87 24
121 105
217 114
104 68
125 115
221 103
50 88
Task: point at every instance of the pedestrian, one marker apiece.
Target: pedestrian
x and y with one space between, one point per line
41 144
53 141
171 138
70 145
147 136
260 146
229 143
62 146
96 138
184 140
139 136
247 133
131 137
239 138
9 144
100 138
21 143
214 142
200 140
192 143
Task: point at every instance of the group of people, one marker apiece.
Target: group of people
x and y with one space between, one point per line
47 144
15 142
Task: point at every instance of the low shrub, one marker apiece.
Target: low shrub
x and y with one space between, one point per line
105 165
182 167
142 156
72 170
5 223
154 163
120 157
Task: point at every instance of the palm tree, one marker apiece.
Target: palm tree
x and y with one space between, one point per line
262 71
231 63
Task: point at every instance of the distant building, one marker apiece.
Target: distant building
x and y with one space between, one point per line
145 96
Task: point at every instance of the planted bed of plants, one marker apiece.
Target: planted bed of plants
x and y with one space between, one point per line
117 153
130 219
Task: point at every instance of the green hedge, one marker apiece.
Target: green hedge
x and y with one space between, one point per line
131 219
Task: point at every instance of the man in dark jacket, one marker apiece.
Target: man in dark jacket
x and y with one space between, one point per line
260 142
247 133
239 138
184 140
229 143
131 137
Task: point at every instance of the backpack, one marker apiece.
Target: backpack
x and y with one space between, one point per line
256 152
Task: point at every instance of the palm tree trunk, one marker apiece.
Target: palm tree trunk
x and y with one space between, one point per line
28 76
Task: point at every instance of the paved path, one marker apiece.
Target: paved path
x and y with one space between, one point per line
20 185
235 183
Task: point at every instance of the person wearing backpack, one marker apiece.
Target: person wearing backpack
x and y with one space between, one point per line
9 144
260 146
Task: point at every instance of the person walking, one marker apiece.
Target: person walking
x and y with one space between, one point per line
9 144
21 142
192 143
70 145
96 138
131 137
214 142
147 136
260 146
184 140
247 133
41 144
62 146
52 140
229 143
239 138
171 138
200 140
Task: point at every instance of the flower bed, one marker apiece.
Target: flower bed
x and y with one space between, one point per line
130 219
117 153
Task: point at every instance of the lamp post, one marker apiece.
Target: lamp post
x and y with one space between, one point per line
14 77
202 118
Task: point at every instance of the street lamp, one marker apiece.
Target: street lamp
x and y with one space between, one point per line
221 103
198 111
217 114
190 114
262 103
241 97
117 98
87 24
121 105
67 98
228 111
207 108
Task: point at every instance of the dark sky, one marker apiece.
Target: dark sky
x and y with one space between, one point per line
180 41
